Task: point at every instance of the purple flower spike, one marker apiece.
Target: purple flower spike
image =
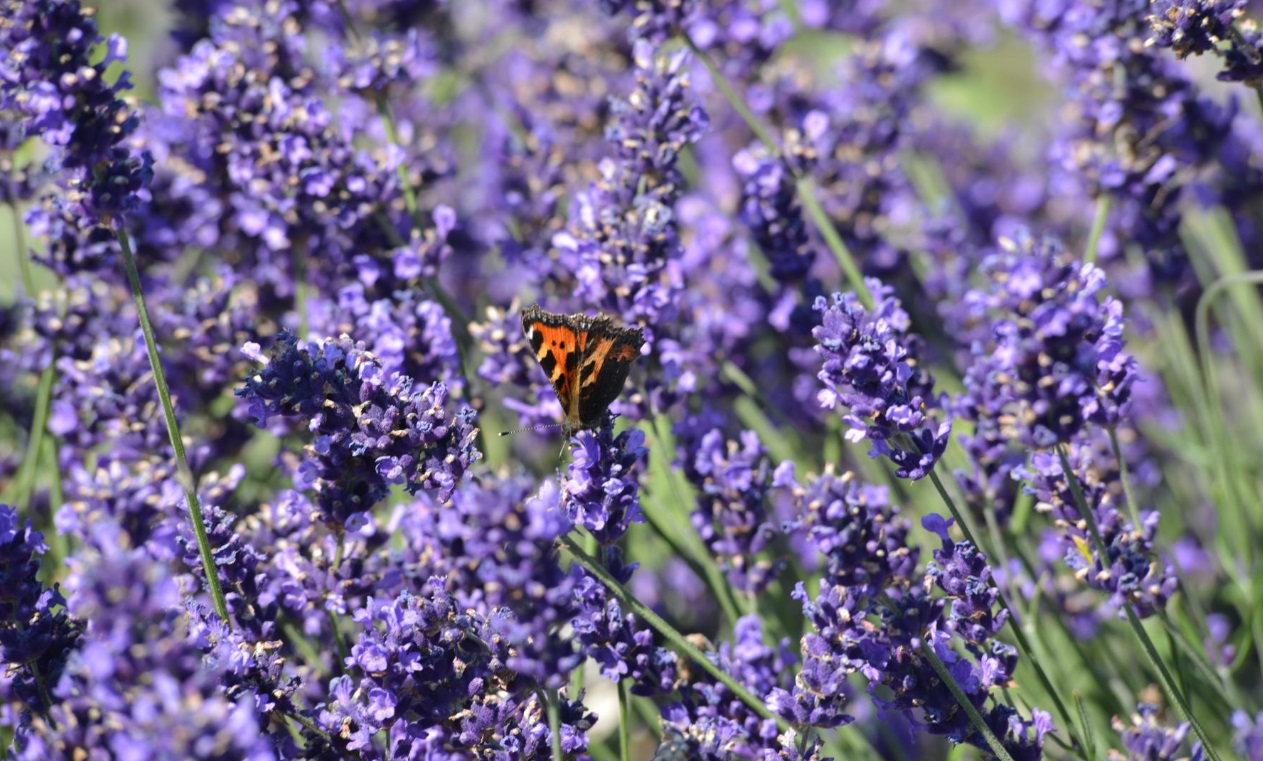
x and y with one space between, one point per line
871 370
370 428
601 492
48 75
35 633
1193 27
1056 361
733 515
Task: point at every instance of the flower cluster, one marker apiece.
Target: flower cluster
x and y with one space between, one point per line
1194 27
872 371
59 88
600 493
1147 737
733 516
370 427
1130 571
1056 362
623 234
870 616
37 634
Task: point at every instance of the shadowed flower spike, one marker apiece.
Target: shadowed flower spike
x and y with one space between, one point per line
733 516
35 633
1133 573
872 373
51 77
370 428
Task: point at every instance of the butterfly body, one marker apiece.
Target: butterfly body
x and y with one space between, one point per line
586 359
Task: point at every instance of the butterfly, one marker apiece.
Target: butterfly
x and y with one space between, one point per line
585 358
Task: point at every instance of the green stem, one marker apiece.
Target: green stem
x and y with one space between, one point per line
1088 735
1098 228
725 87
807 194
303 721
554 722
35 440
1133 510
1168 683
300 290
1018 634
184 474
405 185
673 636
24 264
700 561
624 722
961 698
804 185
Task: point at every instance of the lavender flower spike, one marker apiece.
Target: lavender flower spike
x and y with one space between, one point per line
371 428
871 368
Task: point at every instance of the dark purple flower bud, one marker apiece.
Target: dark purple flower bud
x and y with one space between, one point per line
370 428
770 209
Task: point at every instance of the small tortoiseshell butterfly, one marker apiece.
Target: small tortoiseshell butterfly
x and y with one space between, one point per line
585 358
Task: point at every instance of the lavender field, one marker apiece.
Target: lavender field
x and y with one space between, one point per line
944 438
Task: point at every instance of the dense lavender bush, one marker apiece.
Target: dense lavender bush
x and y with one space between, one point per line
944 438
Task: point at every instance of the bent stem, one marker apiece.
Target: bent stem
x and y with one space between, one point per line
1014 626
672 635
184 474
1151 652
975 718
803 185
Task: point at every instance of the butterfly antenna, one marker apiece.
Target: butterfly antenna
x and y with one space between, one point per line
539 427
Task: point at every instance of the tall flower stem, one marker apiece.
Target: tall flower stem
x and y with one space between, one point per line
624 722
700 560
1151 652
35 437
1098 228
553 708
678 640
805 187
962 699
1018 634
184 474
